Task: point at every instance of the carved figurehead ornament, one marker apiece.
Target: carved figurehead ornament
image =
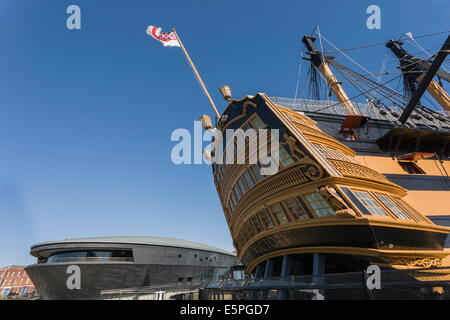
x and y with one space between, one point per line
336 202
310 167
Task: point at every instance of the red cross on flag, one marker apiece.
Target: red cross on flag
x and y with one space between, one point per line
167 39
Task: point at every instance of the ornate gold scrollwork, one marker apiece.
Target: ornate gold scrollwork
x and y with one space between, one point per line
242 115
311 169
356 170
414 261
336 202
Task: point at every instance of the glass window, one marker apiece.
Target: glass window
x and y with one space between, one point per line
387 201
248 231
248 179
408 208
285 158
256 172
231 203
257 123
237 191
355 200
242 185
279 214
266 218
256 224
411 167
371 205
246 126
96 255
319 205
297 208
233 198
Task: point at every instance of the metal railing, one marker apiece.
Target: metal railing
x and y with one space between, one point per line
148 290
417 283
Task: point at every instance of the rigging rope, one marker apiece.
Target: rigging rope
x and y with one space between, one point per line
382 43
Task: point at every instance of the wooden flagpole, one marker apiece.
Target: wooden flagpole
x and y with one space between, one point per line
196 74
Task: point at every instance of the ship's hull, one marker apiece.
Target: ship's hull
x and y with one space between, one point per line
323 200
344 236
51 279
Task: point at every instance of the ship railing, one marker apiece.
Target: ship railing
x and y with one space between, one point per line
431 119
417 277
173 287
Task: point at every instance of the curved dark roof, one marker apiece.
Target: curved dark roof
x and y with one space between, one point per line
155 241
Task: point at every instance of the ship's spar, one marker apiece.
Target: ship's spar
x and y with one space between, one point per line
418 76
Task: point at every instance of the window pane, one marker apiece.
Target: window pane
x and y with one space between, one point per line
246 126
371 205
279 214
399 213
256 224
411 167
356 201
285 158
257 123
256 172
248 179
319 205
296 208
237 191
408 208
231 203
242 185
365 202
266 219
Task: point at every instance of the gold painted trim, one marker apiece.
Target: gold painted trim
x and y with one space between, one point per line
350 251
244 113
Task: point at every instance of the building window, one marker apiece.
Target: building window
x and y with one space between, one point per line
257 122
285 158
319 205
368 203
408 208
242 185
237 191
248 179
297 208
411 167
256 224
246 126
266 218
92 255
392 207
279 214
233 201
249 232
256 172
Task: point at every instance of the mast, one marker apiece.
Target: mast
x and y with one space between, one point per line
197 74
319 60
426 80
414 70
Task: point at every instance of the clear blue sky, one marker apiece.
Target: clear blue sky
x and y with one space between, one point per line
86 116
